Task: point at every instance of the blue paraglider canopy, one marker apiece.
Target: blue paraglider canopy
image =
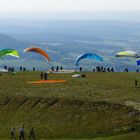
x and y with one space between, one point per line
138 61
88 56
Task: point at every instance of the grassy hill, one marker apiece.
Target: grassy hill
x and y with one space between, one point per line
102 104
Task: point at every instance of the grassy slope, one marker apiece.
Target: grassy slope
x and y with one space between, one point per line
69 109
131 136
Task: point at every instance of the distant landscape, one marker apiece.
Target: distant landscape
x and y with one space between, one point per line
70 70
64 40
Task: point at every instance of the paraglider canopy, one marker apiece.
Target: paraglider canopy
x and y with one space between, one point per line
138 61
38 50
128 54
10 52
88 56
3 70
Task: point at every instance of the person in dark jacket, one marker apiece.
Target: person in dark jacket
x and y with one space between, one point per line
33 68
13 134
52 68
31 134
46 76
57 68
21 133
5 67
80 69
21 68
61 68
136 83
41 75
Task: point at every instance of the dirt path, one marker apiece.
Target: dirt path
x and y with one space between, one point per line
134 104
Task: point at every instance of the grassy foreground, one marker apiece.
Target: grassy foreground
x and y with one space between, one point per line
101 104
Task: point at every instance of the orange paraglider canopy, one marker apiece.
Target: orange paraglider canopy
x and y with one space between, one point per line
38 50
47 81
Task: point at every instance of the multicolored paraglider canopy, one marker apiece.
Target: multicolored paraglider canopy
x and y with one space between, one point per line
88 56
10 52
38 50
128 54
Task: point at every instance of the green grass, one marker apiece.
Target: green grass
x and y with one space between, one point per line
116 87
98 105
131 136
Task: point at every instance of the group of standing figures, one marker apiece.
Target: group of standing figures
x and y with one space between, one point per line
57 68
44 75
22 134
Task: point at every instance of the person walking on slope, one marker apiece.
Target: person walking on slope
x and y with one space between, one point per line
31 134
13 134
21 133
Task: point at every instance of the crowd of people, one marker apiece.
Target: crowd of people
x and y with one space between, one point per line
21 134
105 69
12 69
57 68
100 69
60 68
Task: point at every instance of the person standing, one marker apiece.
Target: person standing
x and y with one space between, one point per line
46 76
21 133
41 75
57 68
31 134
5 67
126 70
24 69
61 68
52 68
112 69
136 83
80 69
33 68
13 134
20 68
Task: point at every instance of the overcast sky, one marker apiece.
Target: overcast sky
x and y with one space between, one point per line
38 5
12 8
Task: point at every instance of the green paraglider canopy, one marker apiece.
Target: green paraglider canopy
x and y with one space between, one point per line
10 52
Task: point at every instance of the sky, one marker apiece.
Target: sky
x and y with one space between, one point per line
53 8
83 5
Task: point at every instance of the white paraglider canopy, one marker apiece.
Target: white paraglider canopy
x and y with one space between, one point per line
3 70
